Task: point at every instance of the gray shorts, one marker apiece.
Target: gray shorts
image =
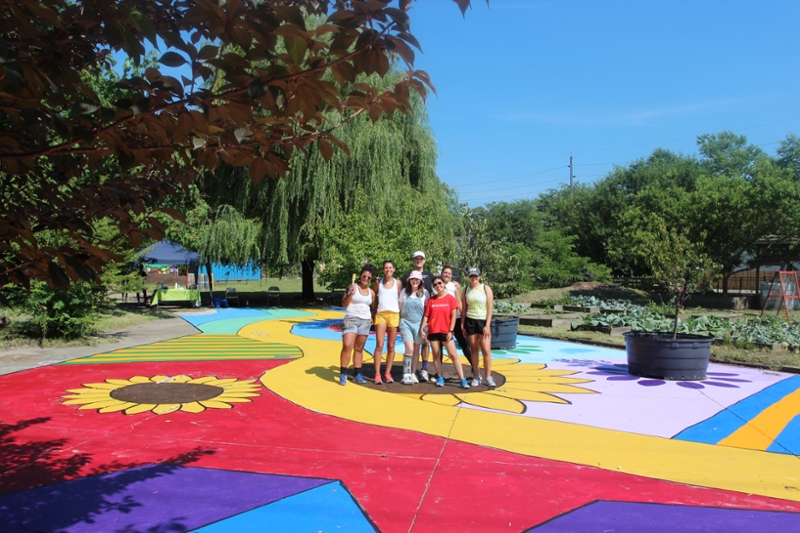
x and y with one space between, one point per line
359 326
409 331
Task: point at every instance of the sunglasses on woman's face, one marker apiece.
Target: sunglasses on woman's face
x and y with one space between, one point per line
415 281
438 284
366 277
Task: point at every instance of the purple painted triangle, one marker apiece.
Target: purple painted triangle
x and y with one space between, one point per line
150 498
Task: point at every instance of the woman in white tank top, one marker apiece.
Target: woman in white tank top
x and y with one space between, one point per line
358 303
387 320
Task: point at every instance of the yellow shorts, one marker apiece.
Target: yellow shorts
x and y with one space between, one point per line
390 318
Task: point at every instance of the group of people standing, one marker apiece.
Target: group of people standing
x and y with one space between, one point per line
425 309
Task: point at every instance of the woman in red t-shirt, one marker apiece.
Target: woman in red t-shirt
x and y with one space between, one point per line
440 320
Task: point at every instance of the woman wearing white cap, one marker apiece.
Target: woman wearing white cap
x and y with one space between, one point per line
412 308
477 304
418 258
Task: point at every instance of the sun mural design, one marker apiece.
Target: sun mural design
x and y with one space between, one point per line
162 394
524 382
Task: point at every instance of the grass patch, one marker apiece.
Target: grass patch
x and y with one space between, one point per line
721 352
114 317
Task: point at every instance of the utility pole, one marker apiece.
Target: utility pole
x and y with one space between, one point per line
571 176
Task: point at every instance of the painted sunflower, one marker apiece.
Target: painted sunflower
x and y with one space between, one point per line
523 383
162 394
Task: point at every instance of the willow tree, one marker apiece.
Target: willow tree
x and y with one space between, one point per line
391 161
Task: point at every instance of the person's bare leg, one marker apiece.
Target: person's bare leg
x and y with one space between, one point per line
377 355
486 348
451 352
390 350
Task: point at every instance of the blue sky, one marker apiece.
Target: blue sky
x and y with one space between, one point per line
523 84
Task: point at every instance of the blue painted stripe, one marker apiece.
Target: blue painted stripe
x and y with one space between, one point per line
788 440
327 508
725 423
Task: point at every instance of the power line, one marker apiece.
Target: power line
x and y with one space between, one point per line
473 184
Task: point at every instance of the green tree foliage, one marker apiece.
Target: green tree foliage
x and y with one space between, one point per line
256 85
523 252
730 202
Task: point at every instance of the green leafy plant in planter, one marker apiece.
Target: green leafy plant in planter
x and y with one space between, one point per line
679 264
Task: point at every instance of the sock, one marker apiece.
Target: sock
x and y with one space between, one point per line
424 365
343 370
356 370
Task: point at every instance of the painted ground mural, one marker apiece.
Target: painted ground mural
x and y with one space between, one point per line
244 427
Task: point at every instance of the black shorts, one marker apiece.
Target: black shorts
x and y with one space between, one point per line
474 326
437 337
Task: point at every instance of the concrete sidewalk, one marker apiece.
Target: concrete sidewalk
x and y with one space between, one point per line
17 359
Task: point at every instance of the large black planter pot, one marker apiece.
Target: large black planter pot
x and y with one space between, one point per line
504 332
658 355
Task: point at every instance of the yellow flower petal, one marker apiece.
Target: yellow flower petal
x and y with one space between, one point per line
203 379
94 405
107 386
525 370
116 408
89 396
236 393
183 378
140 379
159 378
122 382
222 382
442 399
509 362
81 391
528 396
493 401
231 399
192 407
416 396
214 404
140 408
165 408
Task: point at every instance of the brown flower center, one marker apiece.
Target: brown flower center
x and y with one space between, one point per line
167 392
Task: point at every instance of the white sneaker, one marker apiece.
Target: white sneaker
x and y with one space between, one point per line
414 379
407 379
423 375
476 381
490 382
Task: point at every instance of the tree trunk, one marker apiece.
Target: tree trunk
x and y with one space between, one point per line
308 279
725 278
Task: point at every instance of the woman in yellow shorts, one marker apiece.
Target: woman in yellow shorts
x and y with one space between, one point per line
387 319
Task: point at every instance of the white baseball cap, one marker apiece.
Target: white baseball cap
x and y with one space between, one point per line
418 254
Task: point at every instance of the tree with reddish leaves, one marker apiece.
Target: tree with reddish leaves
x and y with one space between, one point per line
254 89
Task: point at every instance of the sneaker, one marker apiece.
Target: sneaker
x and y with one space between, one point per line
490 382
360 379
408 379
414 379
464 384
423 375
387 378
476 381
440 382
378 379
343 380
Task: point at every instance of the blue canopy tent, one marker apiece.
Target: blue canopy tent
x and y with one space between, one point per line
171 253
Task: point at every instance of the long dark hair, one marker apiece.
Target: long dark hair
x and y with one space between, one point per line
420 291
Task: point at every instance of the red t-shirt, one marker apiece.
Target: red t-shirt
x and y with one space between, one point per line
438 310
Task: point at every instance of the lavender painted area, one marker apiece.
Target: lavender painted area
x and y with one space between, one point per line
648 407
621 517
151 498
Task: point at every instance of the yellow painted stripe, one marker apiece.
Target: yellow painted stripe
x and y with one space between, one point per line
761 431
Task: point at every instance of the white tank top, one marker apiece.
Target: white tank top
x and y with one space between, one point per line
360 305
387 298
451 289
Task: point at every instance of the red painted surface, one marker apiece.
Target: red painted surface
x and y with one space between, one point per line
386 470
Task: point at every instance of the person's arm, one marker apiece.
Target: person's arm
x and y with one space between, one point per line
348 295
487 330
375 293
450 333
424 326
464 312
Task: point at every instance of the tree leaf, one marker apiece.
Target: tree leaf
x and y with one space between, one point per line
172 59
